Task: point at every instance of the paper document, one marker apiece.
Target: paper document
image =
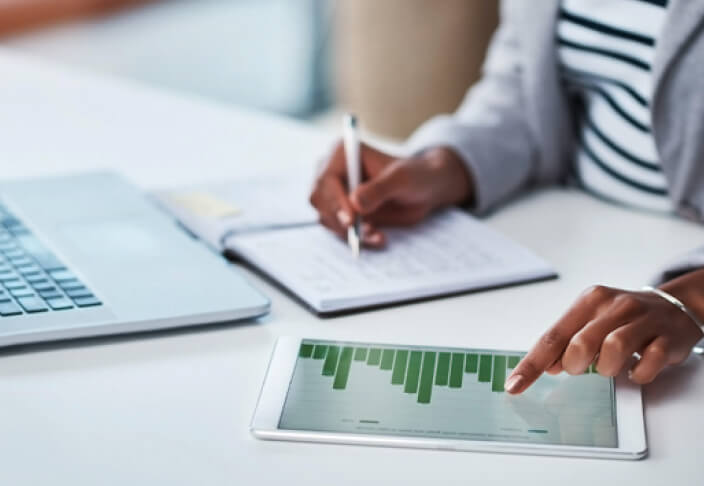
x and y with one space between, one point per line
450 252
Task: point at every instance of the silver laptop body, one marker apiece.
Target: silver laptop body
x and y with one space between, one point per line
90 255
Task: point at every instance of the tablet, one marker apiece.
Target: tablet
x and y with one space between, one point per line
442 398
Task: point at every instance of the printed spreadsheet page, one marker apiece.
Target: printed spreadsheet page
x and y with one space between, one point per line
444 393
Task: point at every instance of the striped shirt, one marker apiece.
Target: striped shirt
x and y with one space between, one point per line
606 50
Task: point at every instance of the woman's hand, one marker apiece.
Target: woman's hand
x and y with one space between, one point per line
607 325
395 192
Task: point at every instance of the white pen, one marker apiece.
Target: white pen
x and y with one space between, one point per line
350 136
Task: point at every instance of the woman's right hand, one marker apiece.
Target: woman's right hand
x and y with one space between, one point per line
395 192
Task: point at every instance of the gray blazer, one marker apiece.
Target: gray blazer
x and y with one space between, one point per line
514 128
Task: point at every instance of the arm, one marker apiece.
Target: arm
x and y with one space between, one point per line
19 15
489 131
481 155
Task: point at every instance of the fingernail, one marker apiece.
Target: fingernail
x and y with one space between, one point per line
344 218
514 383
373 238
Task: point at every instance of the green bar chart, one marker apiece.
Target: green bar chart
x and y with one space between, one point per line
447 393
415 372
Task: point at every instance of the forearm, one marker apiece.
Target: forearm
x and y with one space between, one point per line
490 131
689 288
19 15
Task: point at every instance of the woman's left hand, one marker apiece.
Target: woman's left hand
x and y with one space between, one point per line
607 326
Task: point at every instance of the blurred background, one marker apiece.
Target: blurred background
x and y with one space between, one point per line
394 62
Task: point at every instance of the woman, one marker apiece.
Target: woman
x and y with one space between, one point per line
604 93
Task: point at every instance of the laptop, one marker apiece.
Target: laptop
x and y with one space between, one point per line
88 255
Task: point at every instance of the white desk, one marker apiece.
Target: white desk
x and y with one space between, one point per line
173 408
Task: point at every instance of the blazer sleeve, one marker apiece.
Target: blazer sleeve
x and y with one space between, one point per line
489 131
689 262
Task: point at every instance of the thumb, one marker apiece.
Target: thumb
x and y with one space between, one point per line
372 194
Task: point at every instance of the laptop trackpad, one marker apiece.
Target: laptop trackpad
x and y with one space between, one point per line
117 239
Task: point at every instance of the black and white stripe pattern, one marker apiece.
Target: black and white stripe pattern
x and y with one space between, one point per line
606 51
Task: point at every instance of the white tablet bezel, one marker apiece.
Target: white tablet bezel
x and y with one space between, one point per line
264 425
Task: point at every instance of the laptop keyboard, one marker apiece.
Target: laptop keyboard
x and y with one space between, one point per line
32 278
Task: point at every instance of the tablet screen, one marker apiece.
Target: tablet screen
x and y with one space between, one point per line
444 393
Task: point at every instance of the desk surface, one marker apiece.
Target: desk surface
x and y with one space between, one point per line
174 407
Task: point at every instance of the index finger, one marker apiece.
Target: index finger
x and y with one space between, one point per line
335 163
373 161
543 355
549 347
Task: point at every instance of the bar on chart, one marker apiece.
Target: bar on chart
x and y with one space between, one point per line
360 354
413 375
374 357
330 364
343 369
399 371
485 368
320 351
306 350
499 373
425 388
472 363
456 370
387 359
443 369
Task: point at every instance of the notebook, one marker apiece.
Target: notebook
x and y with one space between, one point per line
212 212
451 252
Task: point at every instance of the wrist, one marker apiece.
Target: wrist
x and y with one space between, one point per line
688 289
455 182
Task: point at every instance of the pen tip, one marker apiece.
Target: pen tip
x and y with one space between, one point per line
353 242
355 247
